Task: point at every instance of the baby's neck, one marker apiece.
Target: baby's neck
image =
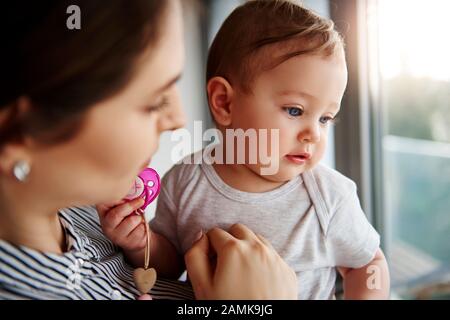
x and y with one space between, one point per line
240 177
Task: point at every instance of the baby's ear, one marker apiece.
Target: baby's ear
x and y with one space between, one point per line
220 94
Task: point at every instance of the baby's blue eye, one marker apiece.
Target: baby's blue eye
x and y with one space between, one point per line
294 111
325 120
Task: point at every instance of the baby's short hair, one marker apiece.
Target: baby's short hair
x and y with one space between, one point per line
261 34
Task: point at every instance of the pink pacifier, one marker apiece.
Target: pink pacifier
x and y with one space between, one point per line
147 186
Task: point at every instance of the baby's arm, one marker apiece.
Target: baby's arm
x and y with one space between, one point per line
126 229
368 282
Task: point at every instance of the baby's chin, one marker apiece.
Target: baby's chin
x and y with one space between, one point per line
282 175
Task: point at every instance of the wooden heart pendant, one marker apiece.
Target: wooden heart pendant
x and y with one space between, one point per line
144 279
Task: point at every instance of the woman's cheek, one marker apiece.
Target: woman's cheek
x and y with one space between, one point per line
150 136
128 146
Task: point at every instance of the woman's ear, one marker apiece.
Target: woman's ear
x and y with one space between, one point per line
10 155
220 95
13 152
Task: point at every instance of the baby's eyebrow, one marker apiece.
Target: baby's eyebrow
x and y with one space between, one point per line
308 97
336 106
297 93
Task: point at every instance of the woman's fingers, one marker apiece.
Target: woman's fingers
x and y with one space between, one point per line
138 237
127 225
116 215
198 266
241 232
219 238
103 209
264 240
247 267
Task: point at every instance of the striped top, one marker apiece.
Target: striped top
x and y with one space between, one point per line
92 268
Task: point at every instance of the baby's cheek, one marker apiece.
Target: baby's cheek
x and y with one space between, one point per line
286 142
319 152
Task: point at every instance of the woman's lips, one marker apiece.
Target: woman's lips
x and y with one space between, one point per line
298 158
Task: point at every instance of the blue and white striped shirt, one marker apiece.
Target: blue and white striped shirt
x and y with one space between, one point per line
92 268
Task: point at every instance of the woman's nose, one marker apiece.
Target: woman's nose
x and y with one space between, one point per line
172 117
310 133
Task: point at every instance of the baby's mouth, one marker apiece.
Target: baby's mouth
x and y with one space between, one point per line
300 158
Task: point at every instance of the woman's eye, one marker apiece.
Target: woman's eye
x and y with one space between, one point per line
157 107
294 111
326 119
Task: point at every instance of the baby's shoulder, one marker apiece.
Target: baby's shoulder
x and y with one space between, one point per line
183 172
333 186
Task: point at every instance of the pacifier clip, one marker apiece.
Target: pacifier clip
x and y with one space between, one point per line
147 185
145 278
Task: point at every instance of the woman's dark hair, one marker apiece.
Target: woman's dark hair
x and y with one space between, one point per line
64 72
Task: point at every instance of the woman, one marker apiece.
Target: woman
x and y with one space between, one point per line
81 112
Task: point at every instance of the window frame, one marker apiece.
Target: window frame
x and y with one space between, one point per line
358 135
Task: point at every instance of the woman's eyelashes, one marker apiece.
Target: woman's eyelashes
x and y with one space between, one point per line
157 107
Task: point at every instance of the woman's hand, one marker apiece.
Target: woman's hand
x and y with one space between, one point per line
238 265
127 230
121 226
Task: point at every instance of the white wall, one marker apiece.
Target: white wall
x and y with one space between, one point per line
191 87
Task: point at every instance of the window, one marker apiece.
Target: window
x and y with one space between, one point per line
394 137
414 92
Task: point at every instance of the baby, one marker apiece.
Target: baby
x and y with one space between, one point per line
277 66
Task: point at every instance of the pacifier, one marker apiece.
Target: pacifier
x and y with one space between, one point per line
147 185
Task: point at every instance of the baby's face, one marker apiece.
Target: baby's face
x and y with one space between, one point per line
300 97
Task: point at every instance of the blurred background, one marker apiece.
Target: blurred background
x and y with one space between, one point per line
393 137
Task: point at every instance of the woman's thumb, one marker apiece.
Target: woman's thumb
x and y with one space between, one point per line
198 266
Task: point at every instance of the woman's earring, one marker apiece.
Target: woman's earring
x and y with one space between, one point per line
21 170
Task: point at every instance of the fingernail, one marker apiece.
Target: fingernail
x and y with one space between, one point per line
198 236
139 212
140 202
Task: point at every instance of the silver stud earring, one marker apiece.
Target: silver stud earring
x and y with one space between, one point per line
21 170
